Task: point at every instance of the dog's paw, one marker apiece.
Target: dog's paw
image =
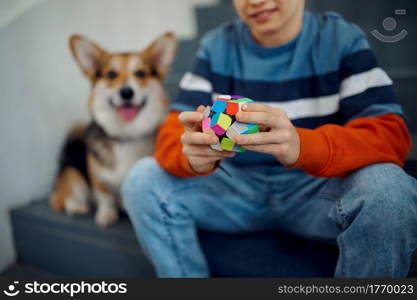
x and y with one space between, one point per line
106 216
74 206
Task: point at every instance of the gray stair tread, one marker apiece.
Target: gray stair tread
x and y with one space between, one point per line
76 246
185 57
40 210
210 17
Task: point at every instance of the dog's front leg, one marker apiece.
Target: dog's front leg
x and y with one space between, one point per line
107 211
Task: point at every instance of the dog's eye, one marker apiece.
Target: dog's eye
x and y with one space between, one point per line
140 74
112 74
98 73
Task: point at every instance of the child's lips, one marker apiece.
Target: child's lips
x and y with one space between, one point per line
263 15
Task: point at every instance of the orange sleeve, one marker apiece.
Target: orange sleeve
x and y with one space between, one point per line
334 151
169 148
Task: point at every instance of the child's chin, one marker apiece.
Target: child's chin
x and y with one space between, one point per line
267 27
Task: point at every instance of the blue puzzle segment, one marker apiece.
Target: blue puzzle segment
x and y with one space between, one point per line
219 106
214 119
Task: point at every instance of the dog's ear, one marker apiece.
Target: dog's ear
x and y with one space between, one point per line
87 54
162 53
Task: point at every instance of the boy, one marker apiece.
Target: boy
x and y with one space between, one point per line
326 168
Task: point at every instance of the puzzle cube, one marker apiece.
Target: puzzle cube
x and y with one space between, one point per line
221 119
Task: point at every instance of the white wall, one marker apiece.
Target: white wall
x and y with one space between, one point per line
11 9
42 91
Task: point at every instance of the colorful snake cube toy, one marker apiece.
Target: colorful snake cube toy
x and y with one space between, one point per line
222 120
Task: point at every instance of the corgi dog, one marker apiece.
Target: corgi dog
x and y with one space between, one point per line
127 104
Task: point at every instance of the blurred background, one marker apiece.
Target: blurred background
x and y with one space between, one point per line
43 94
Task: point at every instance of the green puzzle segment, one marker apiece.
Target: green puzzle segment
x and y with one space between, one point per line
242 100
252 129
227 144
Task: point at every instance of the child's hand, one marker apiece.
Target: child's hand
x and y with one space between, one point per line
280 140
196 144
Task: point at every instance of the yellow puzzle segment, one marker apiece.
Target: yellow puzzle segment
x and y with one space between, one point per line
224 121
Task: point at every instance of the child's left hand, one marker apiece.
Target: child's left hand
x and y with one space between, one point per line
280 139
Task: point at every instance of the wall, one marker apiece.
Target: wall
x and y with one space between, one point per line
42 91
11 9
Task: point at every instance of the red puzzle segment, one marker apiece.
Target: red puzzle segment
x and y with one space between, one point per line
232 108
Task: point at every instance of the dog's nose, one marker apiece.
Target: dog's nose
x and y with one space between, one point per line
126 93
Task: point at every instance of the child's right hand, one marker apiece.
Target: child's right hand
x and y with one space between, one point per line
196 144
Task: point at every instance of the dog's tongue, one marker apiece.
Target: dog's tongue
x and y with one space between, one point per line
128 113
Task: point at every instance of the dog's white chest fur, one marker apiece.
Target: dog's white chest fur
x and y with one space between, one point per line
125 154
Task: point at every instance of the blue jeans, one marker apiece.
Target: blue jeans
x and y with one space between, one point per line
371 214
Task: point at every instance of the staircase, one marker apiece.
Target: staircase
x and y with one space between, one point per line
51 244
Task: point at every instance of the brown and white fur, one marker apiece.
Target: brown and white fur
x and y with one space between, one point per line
127 104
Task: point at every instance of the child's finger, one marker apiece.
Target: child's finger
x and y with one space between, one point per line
265 119
201 108
198 138
205 151
260 118
261 138
268 148
263 128
209 131
207 160
259 107
190 119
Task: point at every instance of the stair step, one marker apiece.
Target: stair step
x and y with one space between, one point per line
211 17
406 89
186 53
76 246
362 10
172 84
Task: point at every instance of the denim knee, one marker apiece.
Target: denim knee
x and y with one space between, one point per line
377 178
139 183
386 192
